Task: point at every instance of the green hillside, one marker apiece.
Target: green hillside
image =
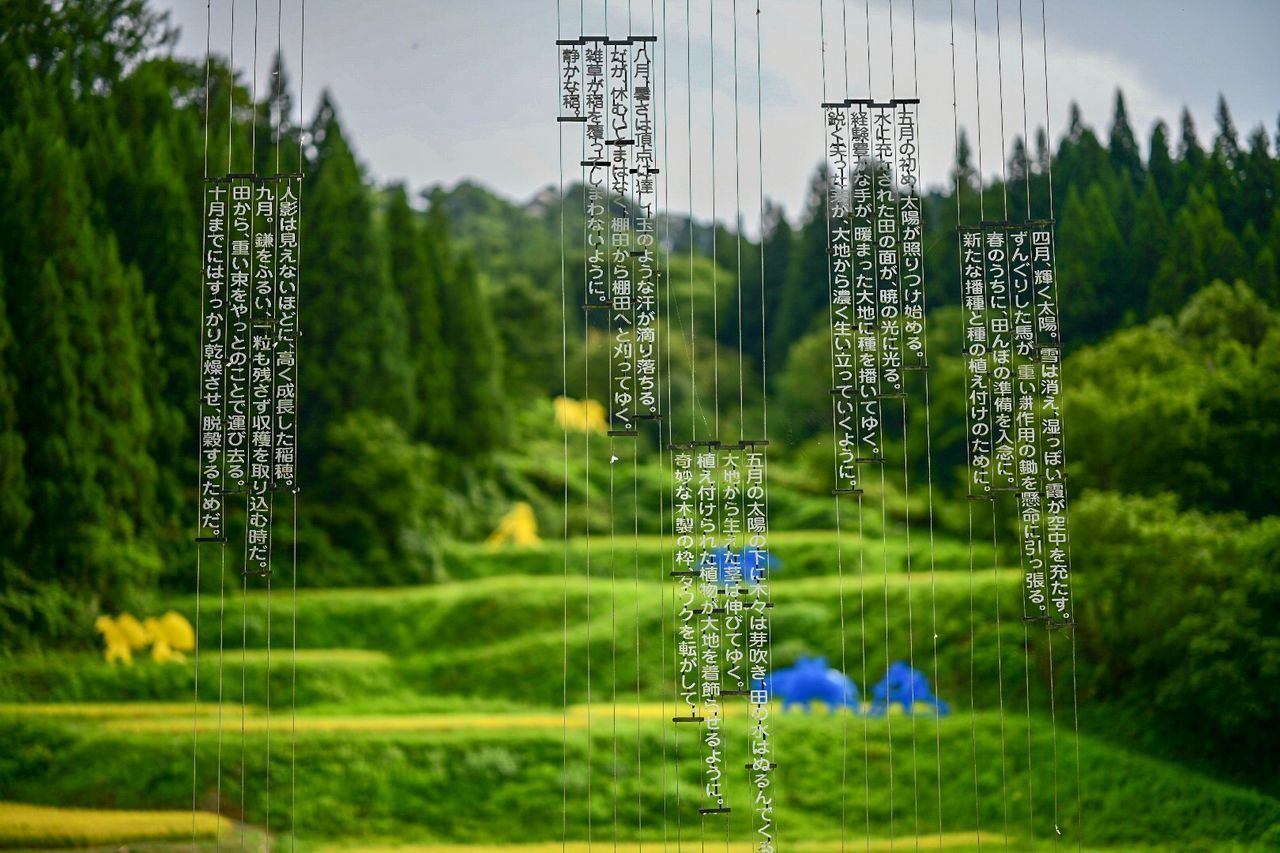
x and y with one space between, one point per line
503 638
432 714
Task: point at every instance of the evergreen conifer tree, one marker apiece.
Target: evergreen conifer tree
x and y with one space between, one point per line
777 239
806 291
1089 246
15 513
1191 158
1261 182
479 407
1201 248
437 367
354 345
418 286
1126 159
1148 242
1225 168
1160 164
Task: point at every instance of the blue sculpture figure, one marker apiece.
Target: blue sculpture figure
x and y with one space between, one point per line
751 564
907 686
812 679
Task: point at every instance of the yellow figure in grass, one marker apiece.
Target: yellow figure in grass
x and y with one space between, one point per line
171 635
168 636
123 635
134 631
118 647
519 527
581 415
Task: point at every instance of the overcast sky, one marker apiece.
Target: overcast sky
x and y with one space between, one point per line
437 91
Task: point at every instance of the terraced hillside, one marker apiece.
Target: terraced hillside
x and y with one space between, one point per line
432 715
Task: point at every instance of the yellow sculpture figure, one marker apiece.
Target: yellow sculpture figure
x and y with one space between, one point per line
117 641
581 415
170 635
122 635
519 527
133 631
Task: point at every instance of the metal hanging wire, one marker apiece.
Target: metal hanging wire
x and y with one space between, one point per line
195 702
959 181
1075 703
933 576
222 583
564 385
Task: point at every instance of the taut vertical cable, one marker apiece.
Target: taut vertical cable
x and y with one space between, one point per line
594 95
1066 543
928 420
693 343
987 473
668 446
639 135
564 385
272 215
1001 355
208 501
715 261
762 746
708 477
1026 396
839 213
222 583
612 271
886 377
961 239
691 646
836 201
293 498
737 201
904 222
248 396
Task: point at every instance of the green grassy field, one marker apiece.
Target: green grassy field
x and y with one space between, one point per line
502 639
432 716
801 553
396 778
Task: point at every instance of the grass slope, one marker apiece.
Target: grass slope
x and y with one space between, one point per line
23 825
430 714
800 554
483 785
501 640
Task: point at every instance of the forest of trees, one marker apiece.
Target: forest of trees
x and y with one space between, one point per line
103 152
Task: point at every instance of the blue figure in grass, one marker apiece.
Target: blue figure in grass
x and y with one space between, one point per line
749 565
809 680
907 687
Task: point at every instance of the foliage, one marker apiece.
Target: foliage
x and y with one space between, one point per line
382 491
99 203
84 504
1180 612
354 317
445 323
1189 406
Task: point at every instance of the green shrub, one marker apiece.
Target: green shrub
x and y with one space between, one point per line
1178 613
